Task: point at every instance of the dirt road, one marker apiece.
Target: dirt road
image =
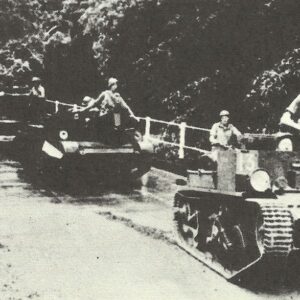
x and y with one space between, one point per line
114 245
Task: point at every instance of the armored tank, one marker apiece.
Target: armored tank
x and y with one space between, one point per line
69 145
14 111
17 107
241 213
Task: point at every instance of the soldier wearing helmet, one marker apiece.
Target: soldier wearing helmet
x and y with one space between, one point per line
223 134
37 89
291 116
109 100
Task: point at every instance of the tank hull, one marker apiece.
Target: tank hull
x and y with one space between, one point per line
43 152
102 167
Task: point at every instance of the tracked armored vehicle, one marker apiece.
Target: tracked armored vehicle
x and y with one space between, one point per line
14 111
242 214
17 107
78 147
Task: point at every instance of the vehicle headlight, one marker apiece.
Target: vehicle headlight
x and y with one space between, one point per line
260 180
285 144
63 134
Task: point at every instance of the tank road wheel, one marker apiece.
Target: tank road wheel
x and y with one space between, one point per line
187 221
237 256
226 240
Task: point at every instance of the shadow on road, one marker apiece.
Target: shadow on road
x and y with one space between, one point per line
279 281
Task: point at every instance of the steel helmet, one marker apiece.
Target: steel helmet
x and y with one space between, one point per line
112 81
224 113
36 79
86 99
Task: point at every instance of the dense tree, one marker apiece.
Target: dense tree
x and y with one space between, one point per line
23 28
188 59
183 59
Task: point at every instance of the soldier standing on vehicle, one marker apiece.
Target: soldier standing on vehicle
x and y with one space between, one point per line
291 115
37 107
37 89
109 100
223 134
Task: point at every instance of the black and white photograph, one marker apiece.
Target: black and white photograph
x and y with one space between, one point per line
149 149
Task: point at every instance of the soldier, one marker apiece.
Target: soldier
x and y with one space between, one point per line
92 112
37 89
109 100
223 134
37 107
85 102
291 115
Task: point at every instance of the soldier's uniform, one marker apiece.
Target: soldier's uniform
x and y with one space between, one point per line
37 108
111 101
223 135
37 90
294 109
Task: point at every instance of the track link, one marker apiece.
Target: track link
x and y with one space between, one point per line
277 229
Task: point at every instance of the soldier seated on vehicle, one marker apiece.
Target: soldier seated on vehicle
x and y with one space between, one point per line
290 119
223 134
91 113
37 89
109 100
86 101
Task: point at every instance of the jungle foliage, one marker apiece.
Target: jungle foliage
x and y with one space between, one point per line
175 59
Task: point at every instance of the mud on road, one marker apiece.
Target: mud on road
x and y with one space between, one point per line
109 243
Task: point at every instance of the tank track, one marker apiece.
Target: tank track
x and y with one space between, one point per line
277 230
276 242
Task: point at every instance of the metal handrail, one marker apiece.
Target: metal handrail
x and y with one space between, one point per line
175 124
178 145
182 126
